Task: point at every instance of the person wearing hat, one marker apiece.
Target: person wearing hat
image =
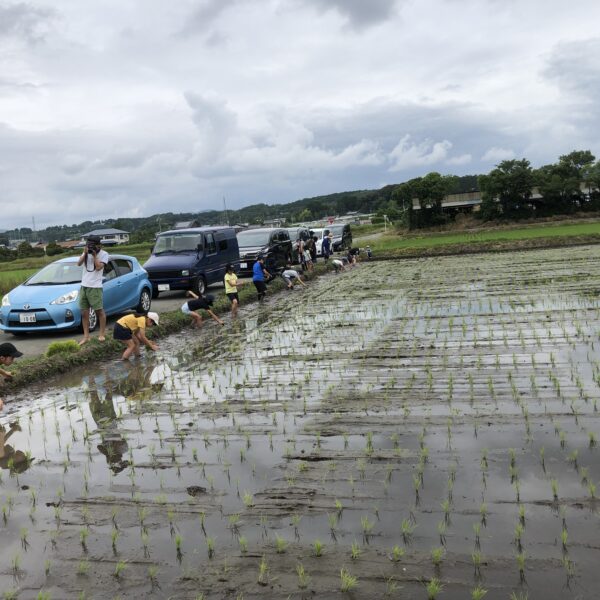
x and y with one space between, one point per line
93 260
199 303
131 331
326 246
8 353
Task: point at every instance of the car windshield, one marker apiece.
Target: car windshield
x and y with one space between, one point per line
337 229
57 274
253 238
174 243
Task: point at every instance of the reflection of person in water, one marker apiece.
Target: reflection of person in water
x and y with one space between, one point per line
113 444
14 460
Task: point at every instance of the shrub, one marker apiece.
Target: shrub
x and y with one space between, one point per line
67 347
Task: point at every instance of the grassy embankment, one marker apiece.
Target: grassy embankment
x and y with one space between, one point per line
397 245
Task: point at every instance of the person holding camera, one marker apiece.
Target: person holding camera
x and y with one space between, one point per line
93 260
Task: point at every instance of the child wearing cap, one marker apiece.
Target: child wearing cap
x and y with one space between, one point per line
8 353
231 289
199 303
131 331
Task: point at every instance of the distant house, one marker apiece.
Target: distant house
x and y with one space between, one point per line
68 244
274 222
109 237
187 224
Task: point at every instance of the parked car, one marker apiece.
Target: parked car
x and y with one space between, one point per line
342 236
47 301
318 233
274 244
304 233
191 259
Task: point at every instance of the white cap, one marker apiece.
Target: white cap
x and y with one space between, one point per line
153 317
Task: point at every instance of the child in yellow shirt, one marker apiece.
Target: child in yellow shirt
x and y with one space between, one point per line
131 331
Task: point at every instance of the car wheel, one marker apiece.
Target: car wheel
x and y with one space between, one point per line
145 301
200 286
155 293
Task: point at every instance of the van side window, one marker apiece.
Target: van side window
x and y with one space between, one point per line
223 245
211 246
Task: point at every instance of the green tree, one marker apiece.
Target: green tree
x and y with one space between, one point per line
510 185
53 248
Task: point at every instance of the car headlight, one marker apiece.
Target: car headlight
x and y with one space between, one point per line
185 272
5 300
66 298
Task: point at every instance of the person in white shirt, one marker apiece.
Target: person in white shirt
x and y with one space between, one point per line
291 276
93 260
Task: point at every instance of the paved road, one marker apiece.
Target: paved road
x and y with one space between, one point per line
34 344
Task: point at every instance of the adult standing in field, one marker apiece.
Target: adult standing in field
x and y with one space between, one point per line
326 247
260 276
299 249
93 259
312 248
231 289
8 353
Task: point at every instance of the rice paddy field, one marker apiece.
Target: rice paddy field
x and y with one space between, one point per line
414 429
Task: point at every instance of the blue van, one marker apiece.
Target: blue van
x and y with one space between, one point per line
191 259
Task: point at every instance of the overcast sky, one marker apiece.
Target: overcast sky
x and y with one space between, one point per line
129 108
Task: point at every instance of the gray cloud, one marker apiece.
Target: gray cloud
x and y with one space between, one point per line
202 17
575 67
24 20
360 14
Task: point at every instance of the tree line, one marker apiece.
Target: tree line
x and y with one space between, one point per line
512 190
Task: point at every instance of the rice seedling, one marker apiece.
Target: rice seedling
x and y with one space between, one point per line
355 550
347 581
210 546
437 555
119 569
280 544
318 548
303 577
243 544
263 572
407 528
433 588
478 593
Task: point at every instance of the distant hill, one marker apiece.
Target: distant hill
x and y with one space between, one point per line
306 209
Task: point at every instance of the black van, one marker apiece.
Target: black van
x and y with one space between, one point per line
302 233
342 236
274 244
191 259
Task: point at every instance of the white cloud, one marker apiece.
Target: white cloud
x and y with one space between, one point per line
496 155
407 155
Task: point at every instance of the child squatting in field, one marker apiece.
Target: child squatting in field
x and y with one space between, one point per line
199 303
131 331
8 353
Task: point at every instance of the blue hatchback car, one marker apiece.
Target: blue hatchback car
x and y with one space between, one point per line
47 301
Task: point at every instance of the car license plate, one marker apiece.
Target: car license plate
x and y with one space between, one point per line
27 318
163 287
243 265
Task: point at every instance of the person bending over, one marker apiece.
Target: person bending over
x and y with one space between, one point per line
199 303
290 276
8 353
130 330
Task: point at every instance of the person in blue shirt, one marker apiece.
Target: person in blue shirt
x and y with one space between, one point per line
259 277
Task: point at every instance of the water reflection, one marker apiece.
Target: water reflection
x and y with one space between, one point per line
15 461
102 408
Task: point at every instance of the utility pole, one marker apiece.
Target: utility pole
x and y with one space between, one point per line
226 213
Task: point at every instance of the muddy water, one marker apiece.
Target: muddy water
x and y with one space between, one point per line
428 419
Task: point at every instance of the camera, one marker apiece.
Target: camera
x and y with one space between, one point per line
93 244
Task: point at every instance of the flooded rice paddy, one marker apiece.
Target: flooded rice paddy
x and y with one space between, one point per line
412 429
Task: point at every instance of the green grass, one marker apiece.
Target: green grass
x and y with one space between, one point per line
394 241
11 279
